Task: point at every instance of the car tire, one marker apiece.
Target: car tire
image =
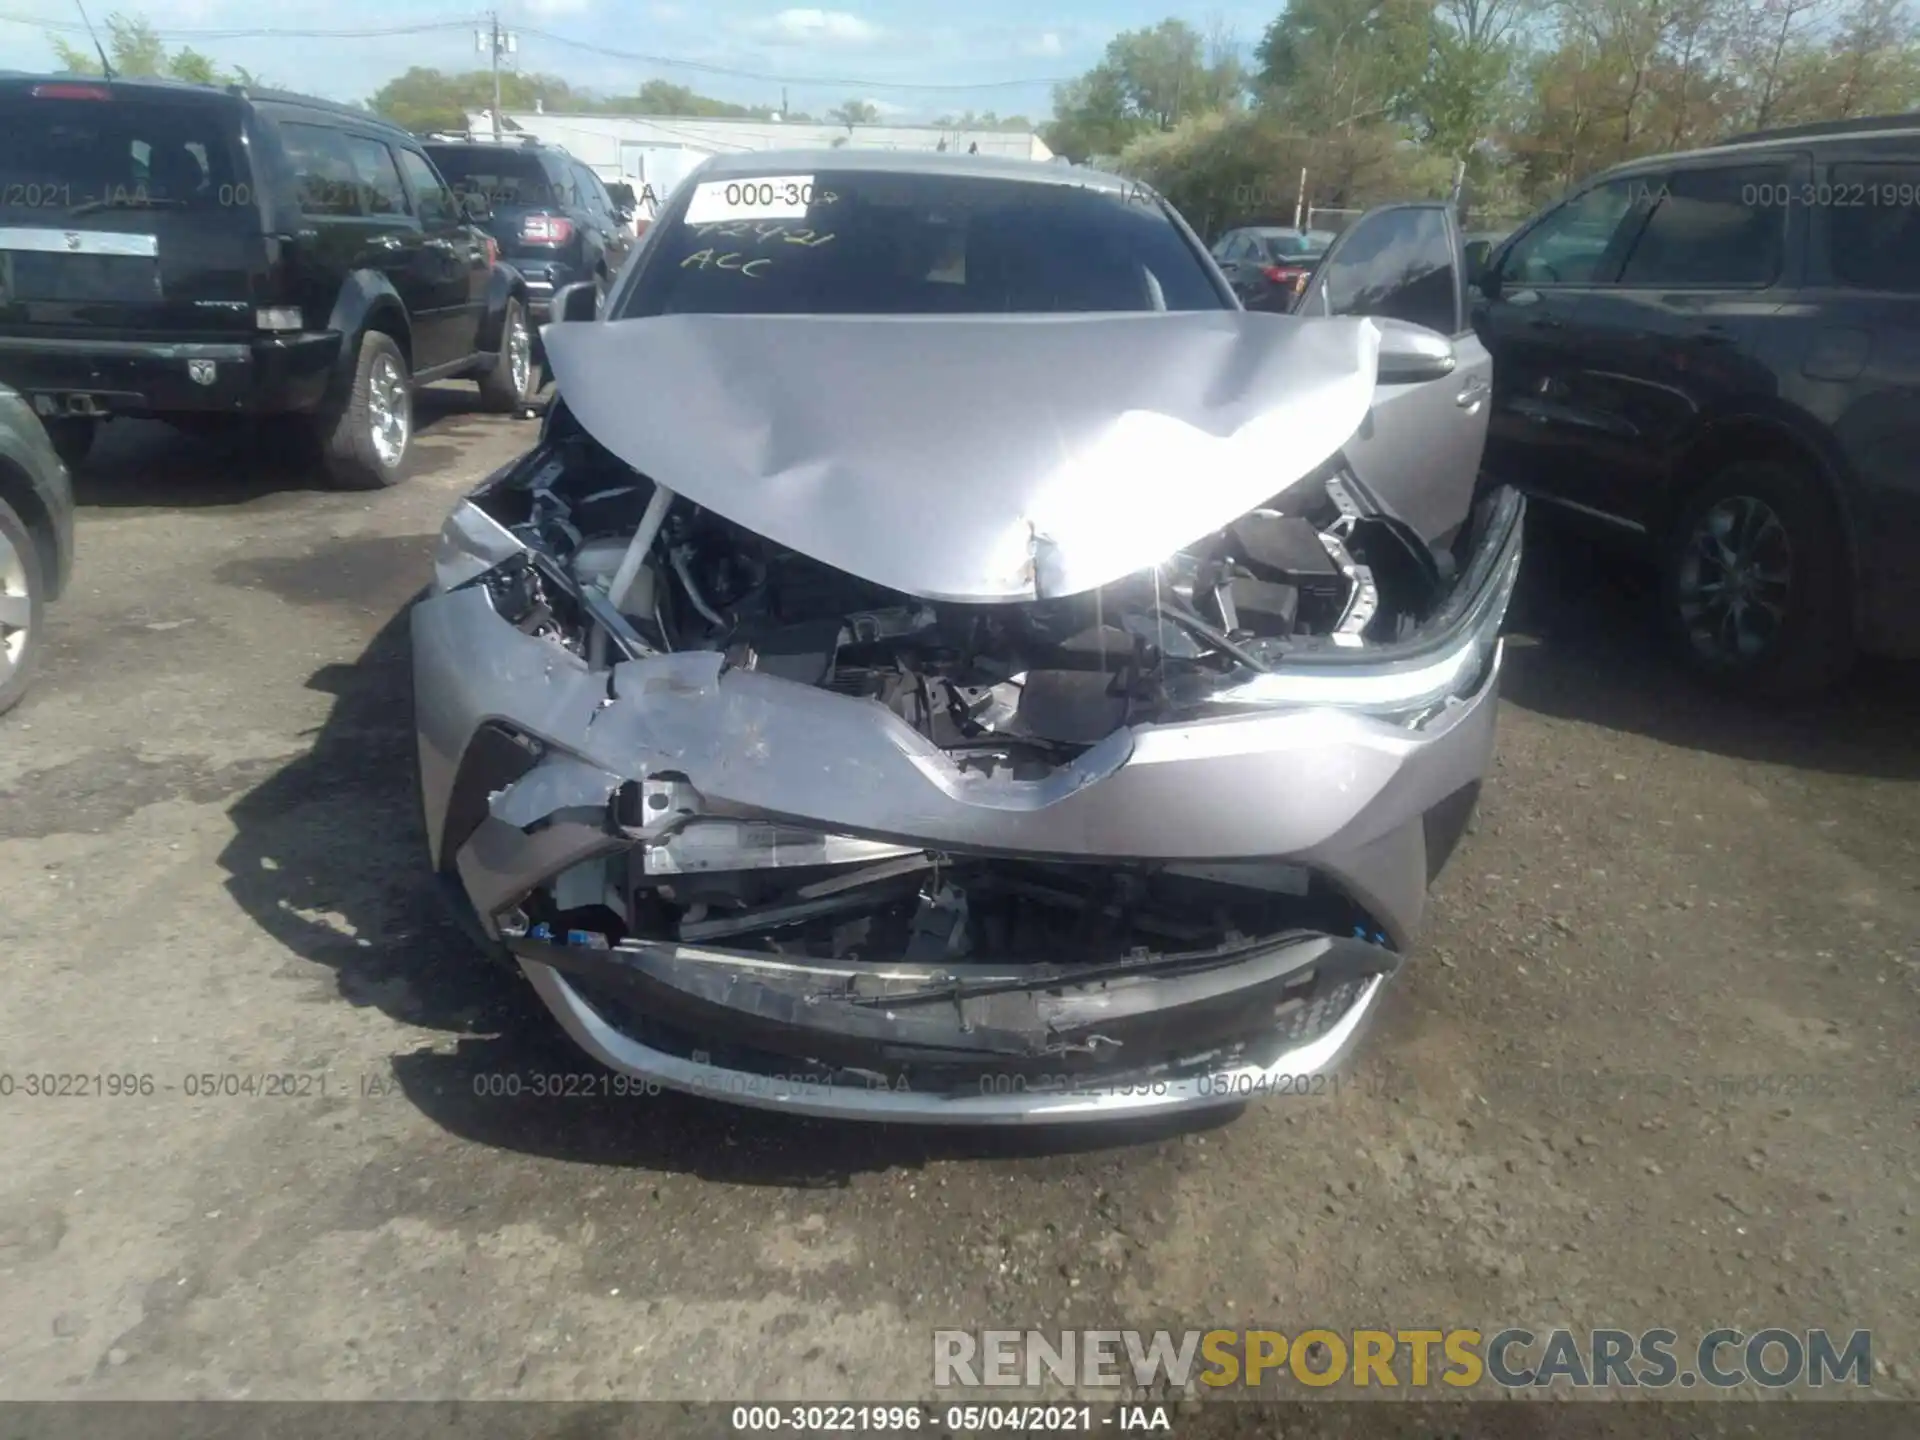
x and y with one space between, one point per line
22 607
365 445
1767 534
72 438
514 379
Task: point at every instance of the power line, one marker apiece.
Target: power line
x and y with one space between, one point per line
665 62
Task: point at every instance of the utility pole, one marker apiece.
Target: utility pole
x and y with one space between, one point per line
495 42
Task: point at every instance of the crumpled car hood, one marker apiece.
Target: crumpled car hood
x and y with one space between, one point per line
993 458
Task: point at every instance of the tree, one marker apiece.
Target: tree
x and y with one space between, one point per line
987 121
1242 166
855 112
662 97
1872 66
1382 98
136 50
1468 94
426 99
1091 116
1327 63
1147 80
1768 54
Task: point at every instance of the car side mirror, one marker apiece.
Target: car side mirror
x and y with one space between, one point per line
1477 252
624 214
474 206
1413 354
579 301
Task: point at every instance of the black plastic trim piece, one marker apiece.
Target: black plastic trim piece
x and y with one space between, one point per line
1051 1025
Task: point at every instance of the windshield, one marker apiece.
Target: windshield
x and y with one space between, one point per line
875 243
57 155
506 180
1286 247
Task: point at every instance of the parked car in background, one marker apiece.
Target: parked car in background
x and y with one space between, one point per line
36 542
198 254
626 206
1717 354
553 218
867 702
1268 266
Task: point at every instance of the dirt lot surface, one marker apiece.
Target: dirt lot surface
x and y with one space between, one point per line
1653 1064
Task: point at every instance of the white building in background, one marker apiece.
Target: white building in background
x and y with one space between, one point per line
657 151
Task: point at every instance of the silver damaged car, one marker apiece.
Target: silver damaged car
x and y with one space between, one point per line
945 661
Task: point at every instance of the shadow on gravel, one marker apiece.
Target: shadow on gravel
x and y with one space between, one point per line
1584 643
329 857
141 463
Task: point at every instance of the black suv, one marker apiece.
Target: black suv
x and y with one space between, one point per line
191 253
553 217
1718 353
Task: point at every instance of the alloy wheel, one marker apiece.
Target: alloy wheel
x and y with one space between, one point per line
16 609
1734 580
389 410
519 355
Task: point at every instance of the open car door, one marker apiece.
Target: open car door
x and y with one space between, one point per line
1419 450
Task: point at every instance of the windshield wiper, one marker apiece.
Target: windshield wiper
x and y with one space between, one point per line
125 202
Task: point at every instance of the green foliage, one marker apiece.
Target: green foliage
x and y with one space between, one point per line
987 120
1148 80
137 52
427 99
1380 99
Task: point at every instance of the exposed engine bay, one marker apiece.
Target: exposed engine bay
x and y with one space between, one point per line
1005 682
859 745
1008 691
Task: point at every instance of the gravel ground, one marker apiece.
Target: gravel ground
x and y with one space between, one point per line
1652 1064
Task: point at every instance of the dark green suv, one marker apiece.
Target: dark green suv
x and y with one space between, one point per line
193 253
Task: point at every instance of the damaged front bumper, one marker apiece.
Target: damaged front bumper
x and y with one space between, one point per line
826 1040
1342 783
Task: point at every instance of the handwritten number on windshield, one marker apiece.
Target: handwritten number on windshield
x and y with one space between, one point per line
764 230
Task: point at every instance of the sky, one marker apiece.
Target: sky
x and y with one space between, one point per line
913 59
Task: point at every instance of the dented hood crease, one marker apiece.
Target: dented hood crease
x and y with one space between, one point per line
972 458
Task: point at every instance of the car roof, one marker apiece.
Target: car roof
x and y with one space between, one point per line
1792 137
191 92
910 162
487 147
